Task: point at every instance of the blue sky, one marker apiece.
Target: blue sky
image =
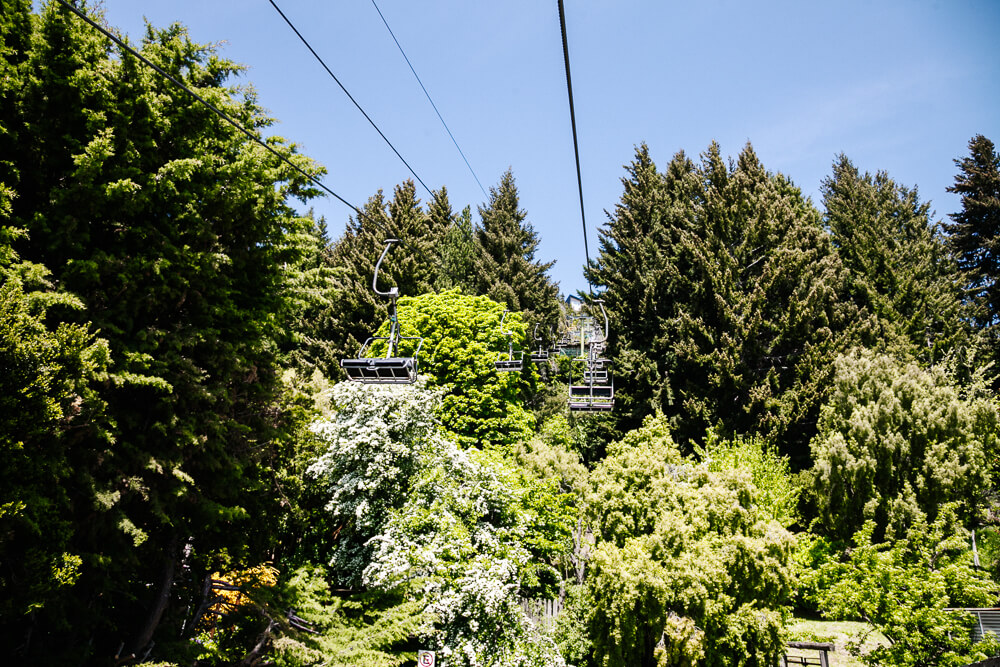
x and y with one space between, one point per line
896 85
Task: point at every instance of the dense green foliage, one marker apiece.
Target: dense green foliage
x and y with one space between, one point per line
906 588
184 479
898 269
462 340
689 568
724 297
769 472
895 443
174 233
975 232
48 406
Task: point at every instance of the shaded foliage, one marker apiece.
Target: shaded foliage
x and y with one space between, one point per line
175 232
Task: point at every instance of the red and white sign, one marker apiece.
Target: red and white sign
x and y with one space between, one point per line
425 658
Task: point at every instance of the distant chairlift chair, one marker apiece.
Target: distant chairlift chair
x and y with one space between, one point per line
390 369
541 355
596 391
512 362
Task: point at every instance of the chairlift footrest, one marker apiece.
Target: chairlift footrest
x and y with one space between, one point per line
591 406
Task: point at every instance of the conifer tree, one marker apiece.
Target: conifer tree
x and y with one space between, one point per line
639 266
311 289
175 233
898 267
724 288
974 234
458 254
505 266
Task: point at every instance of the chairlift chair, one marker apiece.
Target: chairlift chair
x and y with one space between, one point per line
596 392
392 368
541 355
572 341
512 361
592 396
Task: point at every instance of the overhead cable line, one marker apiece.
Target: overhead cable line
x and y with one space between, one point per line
453 140
222 114
334 77
576 146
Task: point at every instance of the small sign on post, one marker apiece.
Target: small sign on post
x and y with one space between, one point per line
425 658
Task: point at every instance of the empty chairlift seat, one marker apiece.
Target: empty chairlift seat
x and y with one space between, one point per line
591 387
511 361
382 370
591 397
391 368
541 355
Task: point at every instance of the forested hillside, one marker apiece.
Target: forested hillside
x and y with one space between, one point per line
804 394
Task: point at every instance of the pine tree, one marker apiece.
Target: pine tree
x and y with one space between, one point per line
638 265
458 254
899 270
505 265
311 289
974 234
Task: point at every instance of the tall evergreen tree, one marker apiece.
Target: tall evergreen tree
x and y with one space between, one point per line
724 289
175 233
974 234
311 289
640 267
458 254
505 266
898 267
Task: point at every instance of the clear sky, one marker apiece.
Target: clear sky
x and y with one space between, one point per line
896 85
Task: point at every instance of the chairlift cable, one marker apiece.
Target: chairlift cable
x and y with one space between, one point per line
447 129
351 97
576 145
222 114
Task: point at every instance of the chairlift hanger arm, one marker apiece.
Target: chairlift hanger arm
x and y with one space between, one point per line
393 291
600 302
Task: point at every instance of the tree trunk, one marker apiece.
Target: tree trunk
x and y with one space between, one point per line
162 598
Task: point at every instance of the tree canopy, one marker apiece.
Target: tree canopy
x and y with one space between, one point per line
806 417
724 297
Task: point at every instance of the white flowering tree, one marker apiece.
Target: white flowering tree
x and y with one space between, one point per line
375 438
458 530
